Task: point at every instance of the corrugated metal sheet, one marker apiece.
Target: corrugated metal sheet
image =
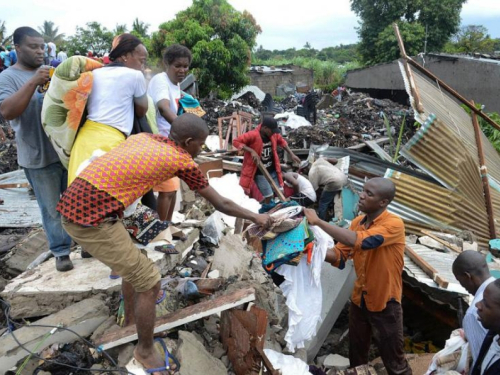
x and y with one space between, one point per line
445 148
441 262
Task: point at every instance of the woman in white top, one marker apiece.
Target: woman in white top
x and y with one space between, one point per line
118 91
165 90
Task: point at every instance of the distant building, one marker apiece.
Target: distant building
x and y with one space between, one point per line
276 80
475 78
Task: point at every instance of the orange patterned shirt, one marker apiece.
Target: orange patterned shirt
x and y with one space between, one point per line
115 180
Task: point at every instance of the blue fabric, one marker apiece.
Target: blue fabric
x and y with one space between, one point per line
48 184
285 246
264 186
372 242
324 202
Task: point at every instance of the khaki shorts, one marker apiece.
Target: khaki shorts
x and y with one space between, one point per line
111 244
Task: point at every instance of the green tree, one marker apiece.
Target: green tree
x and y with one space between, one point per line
441 19
473 38
50 32
93 38
4 38
120 29
221 40
139 28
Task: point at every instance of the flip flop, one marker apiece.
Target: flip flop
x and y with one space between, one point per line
166 249
162 298
167 362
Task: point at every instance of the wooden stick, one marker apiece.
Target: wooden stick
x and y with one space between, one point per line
442 242
484 176
426 267
11 186
409 74
269 179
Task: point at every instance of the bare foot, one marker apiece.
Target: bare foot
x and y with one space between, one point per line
150 359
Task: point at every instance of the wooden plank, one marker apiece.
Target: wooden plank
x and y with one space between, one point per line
442 242
226 165
180 317
426 267
13 186
379 141
379 151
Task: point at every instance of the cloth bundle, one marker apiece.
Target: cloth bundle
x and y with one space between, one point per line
288 237
188 104
65 101
144 225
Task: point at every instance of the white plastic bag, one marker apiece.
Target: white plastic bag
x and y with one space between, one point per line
302 290
287 364
455 343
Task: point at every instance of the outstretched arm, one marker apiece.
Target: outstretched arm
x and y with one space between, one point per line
344 236
230 208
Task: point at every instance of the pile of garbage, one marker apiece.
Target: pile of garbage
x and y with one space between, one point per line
8 149
353 120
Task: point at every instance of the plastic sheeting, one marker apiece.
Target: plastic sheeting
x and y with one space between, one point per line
287 364
292 120
229 187
302 290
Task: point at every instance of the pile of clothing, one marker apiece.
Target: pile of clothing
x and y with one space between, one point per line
287 240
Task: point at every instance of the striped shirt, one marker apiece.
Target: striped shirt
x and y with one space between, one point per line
474 330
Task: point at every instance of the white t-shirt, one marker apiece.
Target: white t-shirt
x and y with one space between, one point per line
305 187
61 56
52 52
161 87
111 101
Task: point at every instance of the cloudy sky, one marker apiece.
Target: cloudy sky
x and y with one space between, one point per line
285 24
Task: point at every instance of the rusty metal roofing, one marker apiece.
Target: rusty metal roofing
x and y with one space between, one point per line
445 147
440 262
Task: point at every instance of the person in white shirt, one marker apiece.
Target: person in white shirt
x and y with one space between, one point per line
62 56
164 89
118 91
52 51
471 271
488 310
297 185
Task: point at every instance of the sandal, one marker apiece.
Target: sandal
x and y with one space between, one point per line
168 249
161 298
167 360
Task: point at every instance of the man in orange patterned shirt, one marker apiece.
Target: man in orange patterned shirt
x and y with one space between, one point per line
375 242
93 205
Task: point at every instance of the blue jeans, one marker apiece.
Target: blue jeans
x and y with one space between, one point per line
324 202
264 186
48 184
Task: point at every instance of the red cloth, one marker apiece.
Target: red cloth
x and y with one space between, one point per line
253 140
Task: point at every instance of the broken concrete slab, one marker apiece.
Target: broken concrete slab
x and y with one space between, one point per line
195 359
336 362
180 317
82 317
432 243
20 208
43 290
25 252
232 257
